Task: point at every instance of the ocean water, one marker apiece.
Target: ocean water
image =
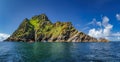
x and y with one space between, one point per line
59 52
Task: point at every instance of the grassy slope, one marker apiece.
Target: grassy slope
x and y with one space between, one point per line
49 29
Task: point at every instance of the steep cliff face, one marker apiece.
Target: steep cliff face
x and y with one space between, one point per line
40 28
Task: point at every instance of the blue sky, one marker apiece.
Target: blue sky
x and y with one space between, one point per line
98 18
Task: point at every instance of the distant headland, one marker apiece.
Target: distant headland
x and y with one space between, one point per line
40 28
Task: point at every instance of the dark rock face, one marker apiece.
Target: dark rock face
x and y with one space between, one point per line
40 28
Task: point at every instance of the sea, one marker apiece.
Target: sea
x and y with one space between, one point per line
59 52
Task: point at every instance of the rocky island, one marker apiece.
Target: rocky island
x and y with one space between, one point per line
40 28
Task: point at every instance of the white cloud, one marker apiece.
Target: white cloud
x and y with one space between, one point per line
118 16
3 36
85 28
105 21
94 22
105 31
116 34
95 33
99 24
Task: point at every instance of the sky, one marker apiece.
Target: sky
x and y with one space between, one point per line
97 18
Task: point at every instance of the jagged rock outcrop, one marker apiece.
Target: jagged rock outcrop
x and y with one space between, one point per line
103 40
40 28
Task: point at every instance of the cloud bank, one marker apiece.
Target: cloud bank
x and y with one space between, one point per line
3 36
104 29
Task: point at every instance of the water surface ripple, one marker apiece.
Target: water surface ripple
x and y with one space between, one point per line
59 52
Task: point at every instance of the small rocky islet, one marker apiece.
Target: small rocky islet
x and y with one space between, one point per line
40 28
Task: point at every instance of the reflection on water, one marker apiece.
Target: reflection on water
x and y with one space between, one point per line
59 52
52 52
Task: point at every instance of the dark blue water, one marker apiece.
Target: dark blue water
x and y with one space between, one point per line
59 52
